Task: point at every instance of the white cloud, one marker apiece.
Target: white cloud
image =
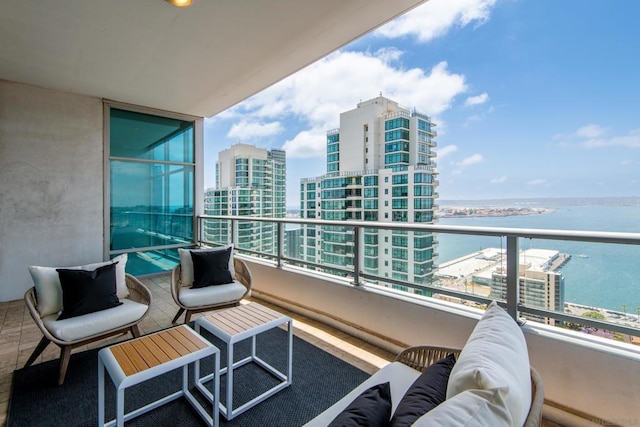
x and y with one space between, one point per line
537 182
590 131
446 150
436 17
318 94
631 140
308 143
248 130
467 161
476 100
500 180
594 136
471 160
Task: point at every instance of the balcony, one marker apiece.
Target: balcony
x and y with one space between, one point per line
19 336
586 377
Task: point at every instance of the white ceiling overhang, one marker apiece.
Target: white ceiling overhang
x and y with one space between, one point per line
198 60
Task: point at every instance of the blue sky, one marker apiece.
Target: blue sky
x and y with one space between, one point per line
532 98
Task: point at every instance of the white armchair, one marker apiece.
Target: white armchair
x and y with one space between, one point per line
194 300
43 303
79 325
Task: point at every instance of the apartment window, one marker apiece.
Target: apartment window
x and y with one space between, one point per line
399 217
425 126
370 216
423 216
399 253
151 173
423 203
400 204
370 181
400 179
400 191
400 266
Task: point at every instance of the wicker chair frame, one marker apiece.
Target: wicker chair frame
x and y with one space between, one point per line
137 292
421 357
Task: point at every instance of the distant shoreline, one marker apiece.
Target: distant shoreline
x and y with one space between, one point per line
476 212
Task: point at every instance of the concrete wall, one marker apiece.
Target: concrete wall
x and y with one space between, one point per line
51 182
594 377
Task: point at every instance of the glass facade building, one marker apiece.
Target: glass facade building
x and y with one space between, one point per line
250 181
380 167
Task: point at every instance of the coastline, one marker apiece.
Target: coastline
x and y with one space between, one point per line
480 212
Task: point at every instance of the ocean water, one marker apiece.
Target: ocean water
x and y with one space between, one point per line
600 275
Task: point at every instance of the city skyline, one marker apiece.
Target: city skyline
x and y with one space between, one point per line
532 99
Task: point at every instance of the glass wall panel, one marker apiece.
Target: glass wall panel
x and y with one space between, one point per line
143 136
151 173
151 204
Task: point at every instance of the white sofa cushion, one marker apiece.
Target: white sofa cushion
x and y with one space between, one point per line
80 327
471 408
49 290
400 377
186 263
495 356
211 294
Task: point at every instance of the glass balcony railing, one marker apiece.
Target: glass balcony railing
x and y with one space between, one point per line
537 275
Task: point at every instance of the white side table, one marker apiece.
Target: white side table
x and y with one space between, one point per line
147 357
233 325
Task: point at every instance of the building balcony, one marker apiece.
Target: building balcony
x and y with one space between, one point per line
589 380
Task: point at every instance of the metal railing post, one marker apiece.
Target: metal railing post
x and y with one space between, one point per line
233 231
356 255
513 274
280 243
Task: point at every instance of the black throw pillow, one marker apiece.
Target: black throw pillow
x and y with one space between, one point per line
372 409
85 292
427 391
211 268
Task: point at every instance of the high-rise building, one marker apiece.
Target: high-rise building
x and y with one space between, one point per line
380 167
250 181
541 281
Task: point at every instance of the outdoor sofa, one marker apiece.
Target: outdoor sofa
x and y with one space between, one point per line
487 383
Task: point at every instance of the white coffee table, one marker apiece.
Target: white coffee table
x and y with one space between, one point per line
233 325
147 357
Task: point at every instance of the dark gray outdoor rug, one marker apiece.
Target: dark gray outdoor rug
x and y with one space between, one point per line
319 380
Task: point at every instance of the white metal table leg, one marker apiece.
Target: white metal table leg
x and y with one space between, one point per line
229 381
101 392
120 407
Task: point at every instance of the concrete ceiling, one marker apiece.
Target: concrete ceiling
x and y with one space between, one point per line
198 60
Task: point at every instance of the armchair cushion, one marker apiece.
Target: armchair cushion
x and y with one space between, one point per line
87 325
86 291
186 262
49 290
196 297
211 268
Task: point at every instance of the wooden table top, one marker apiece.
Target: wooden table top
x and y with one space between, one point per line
243 317
152 350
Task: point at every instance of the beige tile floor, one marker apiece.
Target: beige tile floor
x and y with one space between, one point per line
19 336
